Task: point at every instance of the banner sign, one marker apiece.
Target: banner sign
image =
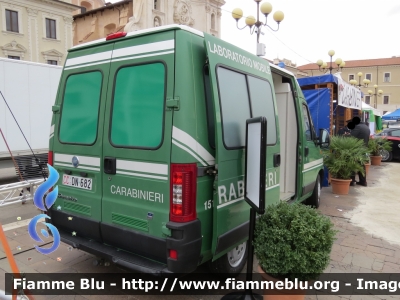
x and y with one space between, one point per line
349 96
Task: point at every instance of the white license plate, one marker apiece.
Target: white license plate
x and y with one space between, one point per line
78 182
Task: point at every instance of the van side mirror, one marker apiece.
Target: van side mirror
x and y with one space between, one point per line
324 139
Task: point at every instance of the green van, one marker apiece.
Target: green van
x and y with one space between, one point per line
148 136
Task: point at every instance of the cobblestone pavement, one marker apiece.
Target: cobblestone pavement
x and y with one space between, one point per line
354 251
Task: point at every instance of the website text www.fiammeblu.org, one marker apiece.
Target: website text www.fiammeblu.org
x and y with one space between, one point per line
95 284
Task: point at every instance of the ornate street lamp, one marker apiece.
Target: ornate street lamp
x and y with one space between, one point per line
365 81
256 25
377 93
323 66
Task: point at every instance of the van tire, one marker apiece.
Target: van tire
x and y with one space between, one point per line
224 266
315 198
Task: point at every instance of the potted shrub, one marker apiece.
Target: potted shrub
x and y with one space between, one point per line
292 241
346 156
367 165
376 146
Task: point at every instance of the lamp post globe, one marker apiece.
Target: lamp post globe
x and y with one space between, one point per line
255 24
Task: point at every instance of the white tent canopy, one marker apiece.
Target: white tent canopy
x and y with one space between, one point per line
365 106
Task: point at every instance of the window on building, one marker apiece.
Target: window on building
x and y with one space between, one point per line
386 77
13 57
50 28
157 4
368 99
86 5
52 62
385 99
12 20
110 28
351 77
213 21
368 76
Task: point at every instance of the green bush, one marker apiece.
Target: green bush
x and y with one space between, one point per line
376 145
345 156
293 241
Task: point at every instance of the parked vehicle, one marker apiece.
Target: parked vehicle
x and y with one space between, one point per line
393 135
30 90
149 135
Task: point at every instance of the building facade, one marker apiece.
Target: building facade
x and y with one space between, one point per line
290 66
131 15
383 72
36 30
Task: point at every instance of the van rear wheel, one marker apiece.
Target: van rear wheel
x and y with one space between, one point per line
314 199
232 262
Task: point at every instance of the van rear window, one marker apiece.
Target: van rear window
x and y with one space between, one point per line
243 97
138 106
262 105
235 107
80 108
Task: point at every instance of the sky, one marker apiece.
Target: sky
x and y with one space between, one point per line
354 29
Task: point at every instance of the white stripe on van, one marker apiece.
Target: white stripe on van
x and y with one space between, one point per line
52 135
272 187
88 65
312 164
309 169
229 202
142 175
52 129
84 160
141 56
126 165
145 48
88 58
190 152
192 144
79 167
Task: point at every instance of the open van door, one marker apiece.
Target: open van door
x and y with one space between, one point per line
242 88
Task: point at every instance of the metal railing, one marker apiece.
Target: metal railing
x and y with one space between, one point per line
18 192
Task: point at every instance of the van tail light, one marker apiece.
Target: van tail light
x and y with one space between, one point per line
50 158
173 254
183 193
50 161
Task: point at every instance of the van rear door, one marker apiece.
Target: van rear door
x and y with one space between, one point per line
78 140
242 88
137 144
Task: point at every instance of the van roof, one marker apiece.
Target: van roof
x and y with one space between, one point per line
280 69
144 32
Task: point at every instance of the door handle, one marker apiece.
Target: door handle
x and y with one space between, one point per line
110 165
306 150
277 160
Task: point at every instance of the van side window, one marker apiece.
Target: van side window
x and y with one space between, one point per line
138 106
80 108
234 107
262 104
307 124
209 107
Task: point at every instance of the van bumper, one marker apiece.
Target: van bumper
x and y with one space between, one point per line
152 253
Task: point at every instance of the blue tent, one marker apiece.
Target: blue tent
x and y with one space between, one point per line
317 80
392 116
319 104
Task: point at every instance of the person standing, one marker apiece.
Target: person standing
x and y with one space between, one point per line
361 131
